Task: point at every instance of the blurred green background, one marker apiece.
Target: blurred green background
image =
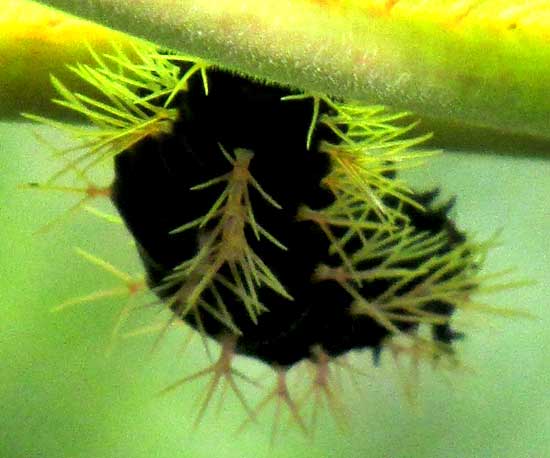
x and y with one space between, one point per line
62 397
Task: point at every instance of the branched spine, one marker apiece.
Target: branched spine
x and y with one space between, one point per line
227 245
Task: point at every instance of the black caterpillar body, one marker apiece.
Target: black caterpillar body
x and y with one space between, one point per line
152 193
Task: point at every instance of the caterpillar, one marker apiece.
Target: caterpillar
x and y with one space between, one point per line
271 221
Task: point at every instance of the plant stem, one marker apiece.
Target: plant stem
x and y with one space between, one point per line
486 65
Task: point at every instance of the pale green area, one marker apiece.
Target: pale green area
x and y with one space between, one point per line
62 398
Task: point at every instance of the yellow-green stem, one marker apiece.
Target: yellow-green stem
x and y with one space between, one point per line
484 63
